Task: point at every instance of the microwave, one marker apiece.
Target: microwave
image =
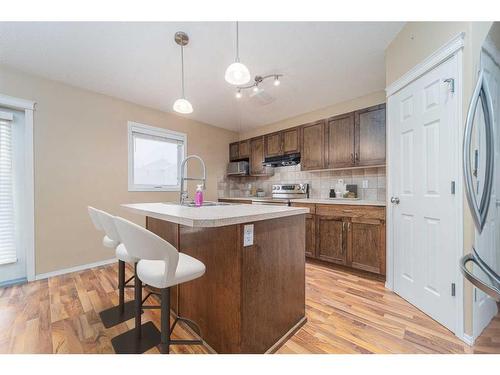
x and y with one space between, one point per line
237 168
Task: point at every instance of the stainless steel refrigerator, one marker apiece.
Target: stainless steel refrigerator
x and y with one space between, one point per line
482 181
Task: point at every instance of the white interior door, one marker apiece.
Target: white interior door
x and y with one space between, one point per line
12 173
423 142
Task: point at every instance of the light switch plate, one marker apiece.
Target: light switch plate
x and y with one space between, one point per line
248 235
365 184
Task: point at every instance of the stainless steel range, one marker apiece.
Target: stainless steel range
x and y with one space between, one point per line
284 194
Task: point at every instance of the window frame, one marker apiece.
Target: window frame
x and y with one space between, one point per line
135 127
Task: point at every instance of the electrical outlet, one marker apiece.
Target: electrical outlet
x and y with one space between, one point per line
248 235
365 184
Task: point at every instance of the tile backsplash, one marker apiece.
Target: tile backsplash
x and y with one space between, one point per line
320 182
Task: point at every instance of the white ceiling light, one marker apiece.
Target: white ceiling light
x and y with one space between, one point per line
182 105
237 73
255 86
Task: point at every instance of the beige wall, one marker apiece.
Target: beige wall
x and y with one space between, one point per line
415 42
80 145
333 110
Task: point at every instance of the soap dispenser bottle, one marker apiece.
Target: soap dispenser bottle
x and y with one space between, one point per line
198 196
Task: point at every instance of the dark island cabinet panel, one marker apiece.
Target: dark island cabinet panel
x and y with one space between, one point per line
370 136
340 141
313 146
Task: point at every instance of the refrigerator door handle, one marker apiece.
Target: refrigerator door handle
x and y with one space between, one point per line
479 209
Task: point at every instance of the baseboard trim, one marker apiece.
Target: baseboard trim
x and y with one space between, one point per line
468 339
75 269
13 282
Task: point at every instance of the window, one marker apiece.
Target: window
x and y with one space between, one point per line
8 252
154 158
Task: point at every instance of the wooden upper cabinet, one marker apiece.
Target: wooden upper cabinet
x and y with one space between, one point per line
244 149
291 141
273 144
313 146
234 152
339 136
370 136
257 156
331 243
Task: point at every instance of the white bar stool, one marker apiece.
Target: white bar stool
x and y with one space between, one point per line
103 221
160 266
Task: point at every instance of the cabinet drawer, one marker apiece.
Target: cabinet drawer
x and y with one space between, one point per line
312 207
366 212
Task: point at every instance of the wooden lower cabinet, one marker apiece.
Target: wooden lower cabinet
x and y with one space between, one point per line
366 238
330 237
310 235
353 236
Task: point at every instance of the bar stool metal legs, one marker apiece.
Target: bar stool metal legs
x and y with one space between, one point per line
165 321
125 310
144 336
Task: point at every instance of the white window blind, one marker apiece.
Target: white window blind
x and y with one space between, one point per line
7 218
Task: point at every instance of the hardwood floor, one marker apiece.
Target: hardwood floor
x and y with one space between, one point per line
346 314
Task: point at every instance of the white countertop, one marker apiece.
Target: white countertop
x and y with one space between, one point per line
213 216
353 202
359 202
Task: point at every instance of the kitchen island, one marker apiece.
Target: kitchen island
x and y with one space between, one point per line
252 296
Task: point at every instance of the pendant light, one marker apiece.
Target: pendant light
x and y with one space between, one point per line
237 73
182 105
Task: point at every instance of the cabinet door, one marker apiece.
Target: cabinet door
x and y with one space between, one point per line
340 141
234 151
273 144
291 141
366 245
370 136
331 241
244 149
313 146
257 156
310 236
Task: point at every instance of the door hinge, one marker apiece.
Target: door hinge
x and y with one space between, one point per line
451 84
452 187
453 289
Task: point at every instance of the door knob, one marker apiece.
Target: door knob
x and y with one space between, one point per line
395 200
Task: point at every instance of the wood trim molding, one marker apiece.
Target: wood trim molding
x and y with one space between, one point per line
28 193
16 103
429 63
75 269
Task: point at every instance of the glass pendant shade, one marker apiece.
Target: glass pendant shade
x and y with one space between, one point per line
183 106
237 74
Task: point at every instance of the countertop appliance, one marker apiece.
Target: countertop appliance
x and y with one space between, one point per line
237 168
282 160
481 162
284 194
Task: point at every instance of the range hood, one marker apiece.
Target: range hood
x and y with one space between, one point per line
282 161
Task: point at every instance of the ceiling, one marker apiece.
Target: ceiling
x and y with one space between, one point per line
323 63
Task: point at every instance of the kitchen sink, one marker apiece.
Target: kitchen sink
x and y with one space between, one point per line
205 204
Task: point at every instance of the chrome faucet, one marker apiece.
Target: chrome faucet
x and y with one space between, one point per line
183 193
